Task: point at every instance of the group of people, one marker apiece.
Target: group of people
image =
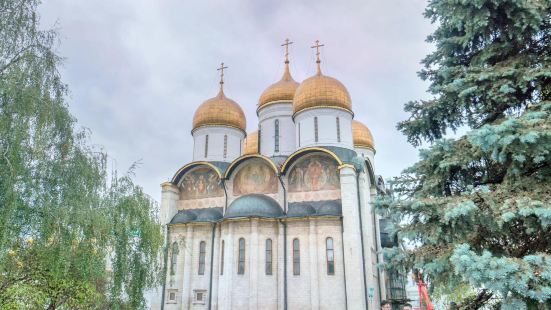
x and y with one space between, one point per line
387 305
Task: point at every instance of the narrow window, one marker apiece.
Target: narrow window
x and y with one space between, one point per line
226 145
330 256
206 145
259 137
174 258
338 130
202 252
222 259
296 257
316 128
241 264
276 137
269 256
298 134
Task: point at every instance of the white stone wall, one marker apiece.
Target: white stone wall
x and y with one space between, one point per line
355 288
215 150
267 116
327 128
312 289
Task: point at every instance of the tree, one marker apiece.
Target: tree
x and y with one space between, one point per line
73 235
476 210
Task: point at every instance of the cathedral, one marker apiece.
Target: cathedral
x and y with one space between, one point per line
278 218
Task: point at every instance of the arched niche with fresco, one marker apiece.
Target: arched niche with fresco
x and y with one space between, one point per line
200 188
314 177
255 176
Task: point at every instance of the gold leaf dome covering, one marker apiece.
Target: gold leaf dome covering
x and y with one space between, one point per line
220 111
250 144
361 135
284 90
320 91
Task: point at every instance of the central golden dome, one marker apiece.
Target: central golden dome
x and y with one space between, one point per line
320 91
250 144
361 135
220 111
284 90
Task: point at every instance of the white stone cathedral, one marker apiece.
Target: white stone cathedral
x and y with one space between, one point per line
279 218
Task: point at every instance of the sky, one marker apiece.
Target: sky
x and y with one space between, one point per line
137 70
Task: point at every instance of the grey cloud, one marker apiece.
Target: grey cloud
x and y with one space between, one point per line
137 70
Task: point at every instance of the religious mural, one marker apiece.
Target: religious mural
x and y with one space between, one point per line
201 183
314 173
255 177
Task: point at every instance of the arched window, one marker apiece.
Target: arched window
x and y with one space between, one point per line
276 136
206 145
202 252
225 145
222 259
241 263
316 128
269 256
174 258
330 256
296 257
338 130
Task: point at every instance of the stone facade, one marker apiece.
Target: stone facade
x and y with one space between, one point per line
289 226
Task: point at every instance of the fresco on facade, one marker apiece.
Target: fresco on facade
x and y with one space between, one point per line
314 173
255 177
201 183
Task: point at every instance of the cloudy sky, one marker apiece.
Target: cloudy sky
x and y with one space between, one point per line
138 69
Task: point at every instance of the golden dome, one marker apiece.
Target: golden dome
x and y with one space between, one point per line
361 135
321 91
220 111
284 90
250 144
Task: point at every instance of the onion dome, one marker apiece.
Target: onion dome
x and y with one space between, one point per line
250 143
321 91
220 111
362 136
284 90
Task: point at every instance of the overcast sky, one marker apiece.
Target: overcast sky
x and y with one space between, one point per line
138 69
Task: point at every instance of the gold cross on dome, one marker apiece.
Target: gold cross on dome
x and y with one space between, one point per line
221 69
317 47
286 44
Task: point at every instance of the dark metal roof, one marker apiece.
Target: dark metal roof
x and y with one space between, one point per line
315 208
197 215
254 205
346 155
221 165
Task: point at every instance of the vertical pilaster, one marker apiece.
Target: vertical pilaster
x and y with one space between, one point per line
314 270
188 255
355 288
253 263
280 270
230 268
215 269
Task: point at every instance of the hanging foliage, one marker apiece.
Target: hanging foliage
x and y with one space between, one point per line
73 235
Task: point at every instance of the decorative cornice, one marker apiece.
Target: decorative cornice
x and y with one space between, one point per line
322 107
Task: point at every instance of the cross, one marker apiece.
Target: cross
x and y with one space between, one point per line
286 44
221 69
317 47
